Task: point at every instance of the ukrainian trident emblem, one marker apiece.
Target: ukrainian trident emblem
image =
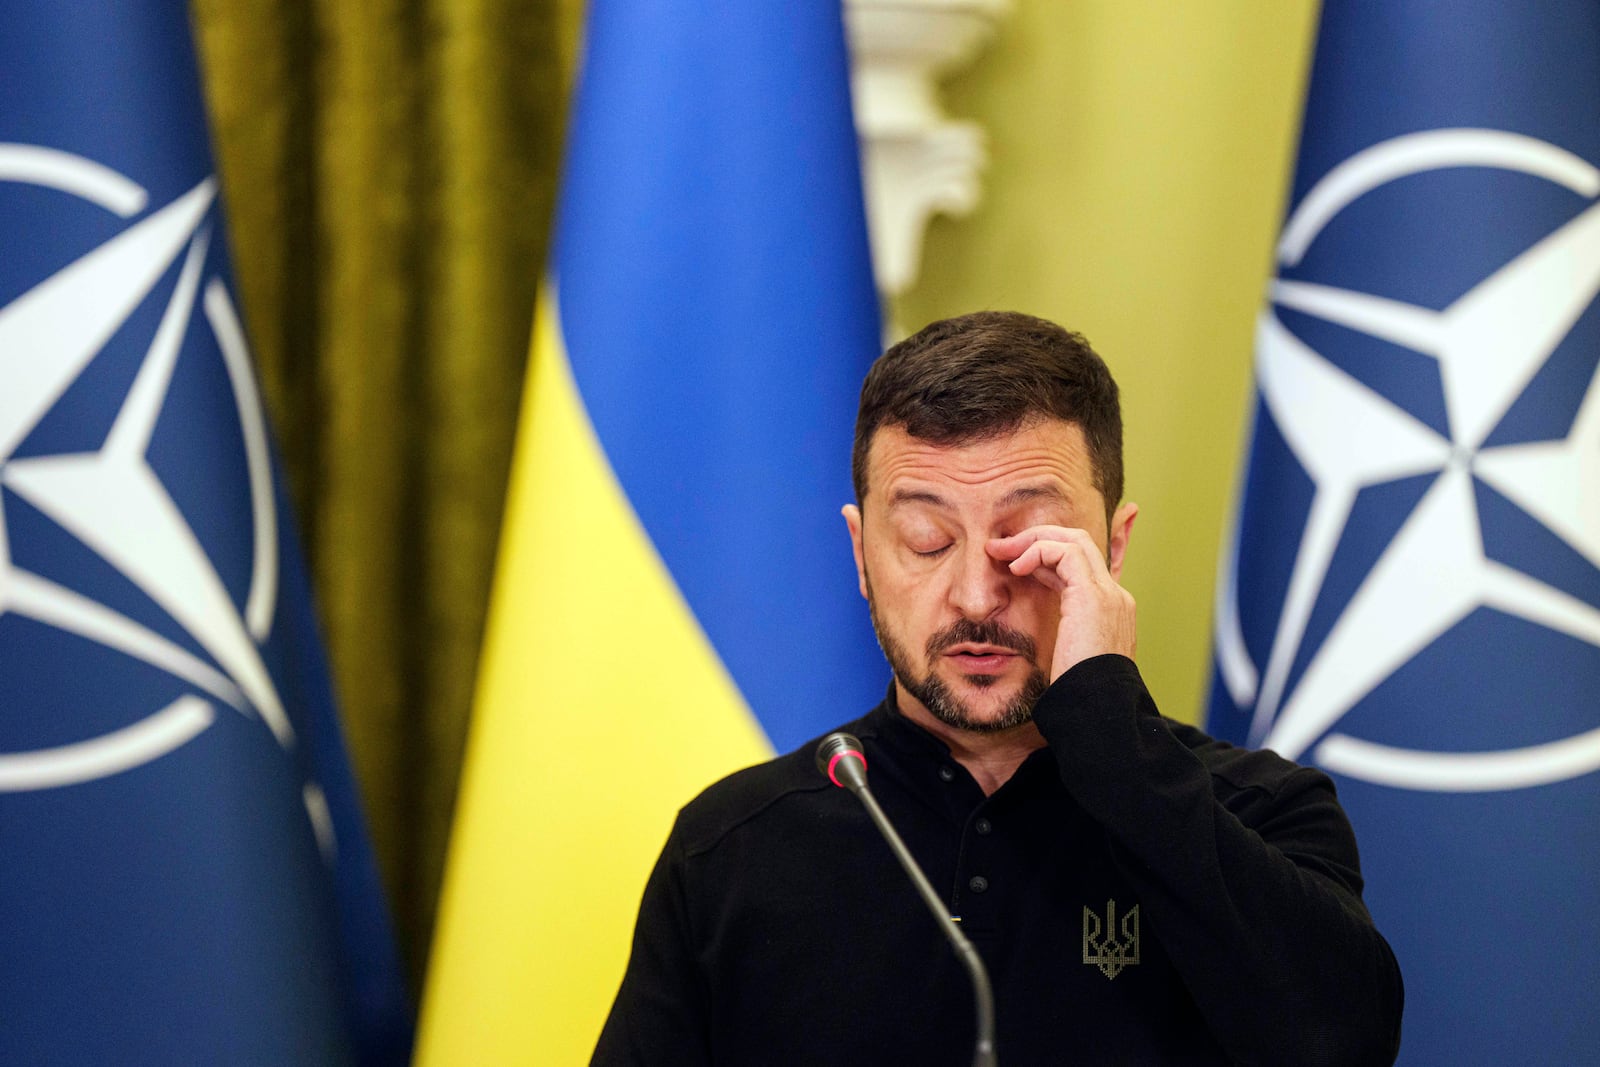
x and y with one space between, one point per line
1101 945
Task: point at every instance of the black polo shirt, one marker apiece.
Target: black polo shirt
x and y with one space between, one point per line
1141 894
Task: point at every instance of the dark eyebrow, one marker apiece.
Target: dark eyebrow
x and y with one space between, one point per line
1021 495
1029 493
918 496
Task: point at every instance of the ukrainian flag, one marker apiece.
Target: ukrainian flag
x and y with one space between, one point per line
676 596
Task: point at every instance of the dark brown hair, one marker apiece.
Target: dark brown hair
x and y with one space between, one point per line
983 375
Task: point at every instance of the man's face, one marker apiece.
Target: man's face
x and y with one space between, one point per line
969 641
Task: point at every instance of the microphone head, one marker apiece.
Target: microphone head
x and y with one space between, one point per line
841 758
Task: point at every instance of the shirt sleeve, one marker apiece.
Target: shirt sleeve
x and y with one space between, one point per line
659 1016
1254 888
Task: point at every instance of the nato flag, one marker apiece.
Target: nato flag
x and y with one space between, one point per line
185 876
1412 597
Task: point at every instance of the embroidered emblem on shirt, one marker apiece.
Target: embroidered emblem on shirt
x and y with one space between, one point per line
1101 945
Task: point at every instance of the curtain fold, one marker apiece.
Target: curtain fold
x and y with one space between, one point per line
390 171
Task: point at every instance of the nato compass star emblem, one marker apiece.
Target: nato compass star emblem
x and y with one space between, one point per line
1489 344
112 500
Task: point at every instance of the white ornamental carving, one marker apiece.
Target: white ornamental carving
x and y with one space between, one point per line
916 161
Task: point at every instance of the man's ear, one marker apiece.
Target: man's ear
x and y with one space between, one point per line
1117 540
852 519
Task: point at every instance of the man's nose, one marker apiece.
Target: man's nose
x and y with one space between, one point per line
981 585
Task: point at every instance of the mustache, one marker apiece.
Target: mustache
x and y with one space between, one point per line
988 632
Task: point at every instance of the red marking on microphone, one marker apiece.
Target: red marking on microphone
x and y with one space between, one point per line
841 755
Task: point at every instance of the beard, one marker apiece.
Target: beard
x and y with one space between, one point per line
936 696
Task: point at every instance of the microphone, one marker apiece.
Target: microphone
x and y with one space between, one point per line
840 757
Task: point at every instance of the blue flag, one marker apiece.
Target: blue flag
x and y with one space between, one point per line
717 306
184 874
1412 600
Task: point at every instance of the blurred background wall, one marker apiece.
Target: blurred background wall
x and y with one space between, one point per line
390 168
1140 155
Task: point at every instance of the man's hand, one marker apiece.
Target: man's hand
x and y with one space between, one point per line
1097 614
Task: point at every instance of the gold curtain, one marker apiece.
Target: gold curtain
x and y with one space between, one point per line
389 168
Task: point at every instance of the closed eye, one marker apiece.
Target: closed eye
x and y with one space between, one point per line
932 554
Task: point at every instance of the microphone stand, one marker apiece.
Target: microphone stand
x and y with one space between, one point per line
851 774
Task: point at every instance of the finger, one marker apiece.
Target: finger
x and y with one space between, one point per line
1032 562
1059 564
1014 545
1017 545
1073 561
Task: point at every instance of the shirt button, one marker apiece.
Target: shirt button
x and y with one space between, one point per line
946 774
983 826
978 883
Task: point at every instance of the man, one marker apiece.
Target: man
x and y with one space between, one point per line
1140 893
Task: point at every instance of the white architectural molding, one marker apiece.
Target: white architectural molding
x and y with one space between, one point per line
915 160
